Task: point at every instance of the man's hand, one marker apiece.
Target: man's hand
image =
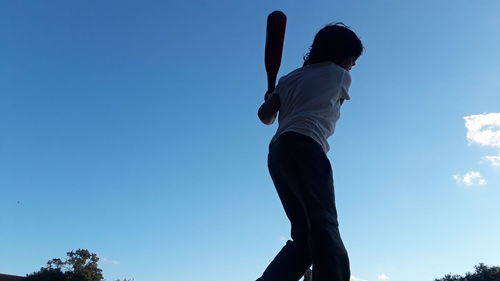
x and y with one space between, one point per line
269 109
267 95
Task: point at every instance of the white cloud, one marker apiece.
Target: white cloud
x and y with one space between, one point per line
494 160
105 260
470 178
483 129
354 278
383 277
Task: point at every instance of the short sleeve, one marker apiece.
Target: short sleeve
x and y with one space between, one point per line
345 84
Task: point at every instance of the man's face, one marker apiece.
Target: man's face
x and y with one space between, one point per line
348 63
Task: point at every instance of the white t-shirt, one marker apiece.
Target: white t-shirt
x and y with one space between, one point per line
310 100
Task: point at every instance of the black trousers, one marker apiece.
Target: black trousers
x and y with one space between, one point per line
303 178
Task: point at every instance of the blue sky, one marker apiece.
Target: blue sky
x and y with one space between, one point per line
129 128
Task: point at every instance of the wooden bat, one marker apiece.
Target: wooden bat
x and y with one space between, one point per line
275 36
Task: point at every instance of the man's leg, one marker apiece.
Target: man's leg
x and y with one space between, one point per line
294 259
330 259
303 178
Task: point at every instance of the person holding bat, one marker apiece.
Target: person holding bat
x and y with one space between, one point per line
308 101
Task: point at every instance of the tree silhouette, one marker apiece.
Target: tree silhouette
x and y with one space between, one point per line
482 273
81 265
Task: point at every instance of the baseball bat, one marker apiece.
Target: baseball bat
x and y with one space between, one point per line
275 37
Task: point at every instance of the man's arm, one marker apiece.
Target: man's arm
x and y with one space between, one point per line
268 110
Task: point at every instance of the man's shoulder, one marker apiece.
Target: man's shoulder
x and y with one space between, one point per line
324 72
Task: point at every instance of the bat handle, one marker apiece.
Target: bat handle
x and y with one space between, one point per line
271 84
268 94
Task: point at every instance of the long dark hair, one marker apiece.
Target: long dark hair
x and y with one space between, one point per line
334 42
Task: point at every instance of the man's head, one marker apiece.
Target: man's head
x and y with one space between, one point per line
335 43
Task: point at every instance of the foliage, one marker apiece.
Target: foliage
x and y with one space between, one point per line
482 273
47 274
81 265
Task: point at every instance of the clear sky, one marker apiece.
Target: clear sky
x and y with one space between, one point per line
129 128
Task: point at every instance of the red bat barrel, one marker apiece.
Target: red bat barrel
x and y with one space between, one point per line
275 36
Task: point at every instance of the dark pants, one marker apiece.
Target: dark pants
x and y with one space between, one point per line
302 175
